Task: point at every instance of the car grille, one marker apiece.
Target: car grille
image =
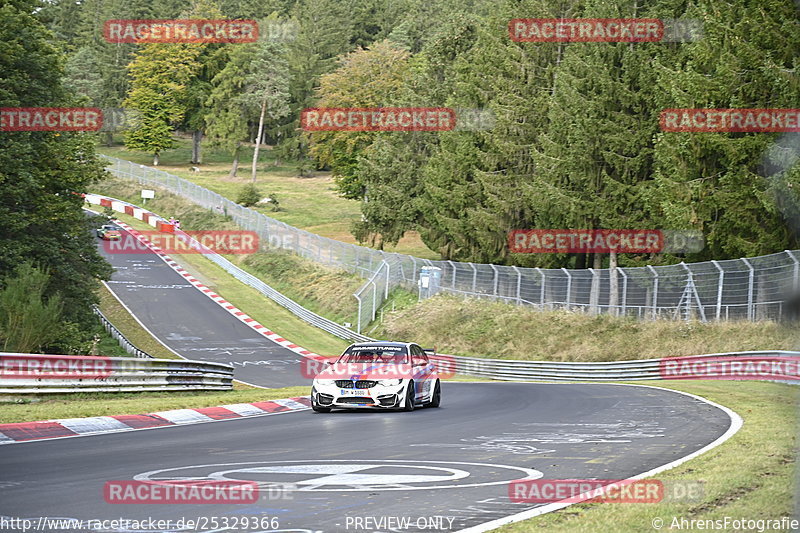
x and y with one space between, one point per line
356 399
349 384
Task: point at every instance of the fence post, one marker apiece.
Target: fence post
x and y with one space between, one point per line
519 283
474 278
655 290
374 298
453 280
496 280
796 274
594 295
720 284
749 289
569 286
358 322
388 274
541 284
624 289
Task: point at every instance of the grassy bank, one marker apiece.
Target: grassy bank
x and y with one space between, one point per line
133 331
310 203
750 476
486 329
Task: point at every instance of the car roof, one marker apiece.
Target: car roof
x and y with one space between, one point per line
382 343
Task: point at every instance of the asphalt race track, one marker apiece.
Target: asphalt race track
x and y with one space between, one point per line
196 327
453 462
442 469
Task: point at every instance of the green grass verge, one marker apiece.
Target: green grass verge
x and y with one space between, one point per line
127 324
481 328
48 407
252 302
309 203
749 476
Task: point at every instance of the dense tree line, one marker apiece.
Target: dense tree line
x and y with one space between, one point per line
49 266
575 139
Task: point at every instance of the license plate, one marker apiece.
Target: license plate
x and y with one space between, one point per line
354 392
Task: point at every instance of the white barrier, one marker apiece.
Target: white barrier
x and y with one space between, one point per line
38 374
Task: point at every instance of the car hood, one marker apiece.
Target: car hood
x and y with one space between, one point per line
367 371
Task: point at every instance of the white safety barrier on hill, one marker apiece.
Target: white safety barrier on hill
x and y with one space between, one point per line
635 370
39 374
754 288
118 336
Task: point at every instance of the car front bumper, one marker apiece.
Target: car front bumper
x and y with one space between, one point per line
379 397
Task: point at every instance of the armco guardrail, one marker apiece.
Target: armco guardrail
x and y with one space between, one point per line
634 370
312 318
40 374
752 288
117 335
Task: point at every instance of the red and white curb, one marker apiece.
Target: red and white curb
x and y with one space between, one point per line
230 308
99 425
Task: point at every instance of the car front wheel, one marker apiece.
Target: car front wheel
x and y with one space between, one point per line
409 405
436 397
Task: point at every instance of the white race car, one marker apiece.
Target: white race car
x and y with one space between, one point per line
386 375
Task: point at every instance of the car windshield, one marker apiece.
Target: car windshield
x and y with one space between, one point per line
375 354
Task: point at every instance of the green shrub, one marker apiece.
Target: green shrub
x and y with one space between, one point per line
249 195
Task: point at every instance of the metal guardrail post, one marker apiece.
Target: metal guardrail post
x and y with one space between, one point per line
541 285
388 275
749 289
569 286
496 280
624 289
594 295
358 322
453 279
655 291
720 285
796 272
374 298
474 278
519 284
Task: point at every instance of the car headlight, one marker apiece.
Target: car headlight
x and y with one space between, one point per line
323 382
390 382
